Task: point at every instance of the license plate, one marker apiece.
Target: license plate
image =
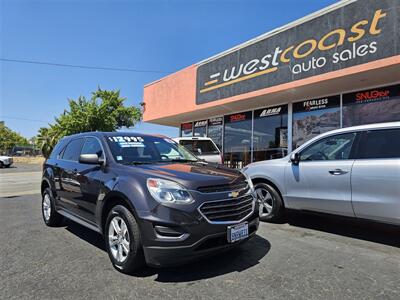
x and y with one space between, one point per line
238 232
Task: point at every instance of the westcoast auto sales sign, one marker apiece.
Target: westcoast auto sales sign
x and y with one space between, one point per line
357 33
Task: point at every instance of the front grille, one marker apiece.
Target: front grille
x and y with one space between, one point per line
228 210
223 188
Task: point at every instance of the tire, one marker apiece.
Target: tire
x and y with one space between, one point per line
124 246
7 166
1 165
50 216
271 204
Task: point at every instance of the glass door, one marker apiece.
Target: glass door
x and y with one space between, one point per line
237 139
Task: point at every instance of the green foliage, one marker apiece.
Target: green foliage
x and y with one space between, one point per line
105 111
9 138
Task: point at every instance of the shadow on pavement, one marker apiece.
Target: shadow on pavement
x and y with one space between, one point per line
85 234
235 260
242 258
354 228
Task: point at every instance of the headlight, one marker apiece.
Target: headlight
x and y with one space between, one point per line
166 191
248 179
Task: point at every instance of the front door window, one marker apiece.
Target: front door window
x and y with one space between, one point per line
336 147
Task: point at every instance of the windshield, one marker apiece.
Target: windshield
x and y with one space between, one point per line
131 149
200 147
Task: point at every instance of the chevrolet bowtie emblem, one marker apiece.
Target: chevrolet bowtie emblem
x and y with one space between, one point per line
234 194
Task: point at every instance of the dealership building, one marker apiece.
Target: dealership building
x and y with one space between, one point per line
337 67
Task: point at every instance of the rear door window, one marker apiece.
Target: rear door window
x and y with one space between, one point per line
73 150
200 147
383 143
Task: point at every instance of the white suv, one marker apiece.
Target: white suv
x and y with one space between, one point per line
5 161
202 147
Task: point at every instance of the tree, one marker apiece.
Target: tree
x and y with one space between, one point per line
105 111
10 138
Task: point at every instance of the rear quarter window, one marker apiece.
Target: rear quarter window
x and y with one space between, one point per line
383 143
59 147
200 147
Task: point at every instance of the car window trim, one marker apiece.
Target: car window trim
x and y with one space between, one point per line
61 153
354 151
374 159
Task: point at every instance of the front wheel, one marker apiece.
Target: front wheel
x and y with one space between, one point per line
49 214
271 204
123 240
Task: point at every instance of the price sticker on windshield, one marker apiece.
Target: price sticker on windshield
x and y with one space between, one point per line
127 141
122 139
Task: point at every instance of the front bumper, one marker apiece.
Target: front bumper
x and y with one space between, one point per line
198 239
8 161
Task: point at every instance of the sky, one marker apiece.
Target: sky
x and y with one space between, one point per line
158 36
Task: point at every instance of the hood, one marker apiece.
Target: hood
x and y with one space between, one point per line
269 162
191 175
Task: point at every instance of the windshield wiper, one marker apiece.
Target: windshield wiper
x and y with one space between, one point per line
180 160
134 163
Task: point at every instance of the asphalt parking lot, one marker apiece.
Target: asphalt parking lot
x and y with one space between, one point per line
20 179
304 257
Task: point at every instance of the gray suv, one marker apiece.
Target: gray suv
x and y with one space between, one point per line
353 171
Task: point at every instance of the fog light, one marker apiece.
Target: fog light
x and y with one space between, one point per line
169 231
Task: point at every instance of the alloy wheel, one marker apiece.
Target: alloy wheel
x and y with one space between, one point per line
118 239
46 207
266 201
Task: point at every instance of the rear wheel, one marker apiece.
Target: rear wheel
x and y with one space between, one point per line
49 214
123 240
271 204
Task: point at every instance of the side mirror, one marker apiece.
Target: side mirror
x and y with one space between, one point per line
295 158
91 159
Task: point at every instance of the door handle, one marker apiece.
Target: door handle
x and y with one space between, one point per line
338 172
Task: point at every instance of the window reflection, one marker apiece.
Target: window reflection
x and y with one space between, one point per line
237 140
372 106
200 128
215 131
270 133
313 117
186 129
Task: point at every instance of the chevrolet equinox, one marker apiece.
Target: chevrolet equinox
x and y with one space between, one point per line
153 201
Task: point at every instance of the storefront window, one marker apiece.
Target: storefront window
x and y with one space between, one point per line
270 133
215 131
313 117
200 128
372 106
237 140
186 129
